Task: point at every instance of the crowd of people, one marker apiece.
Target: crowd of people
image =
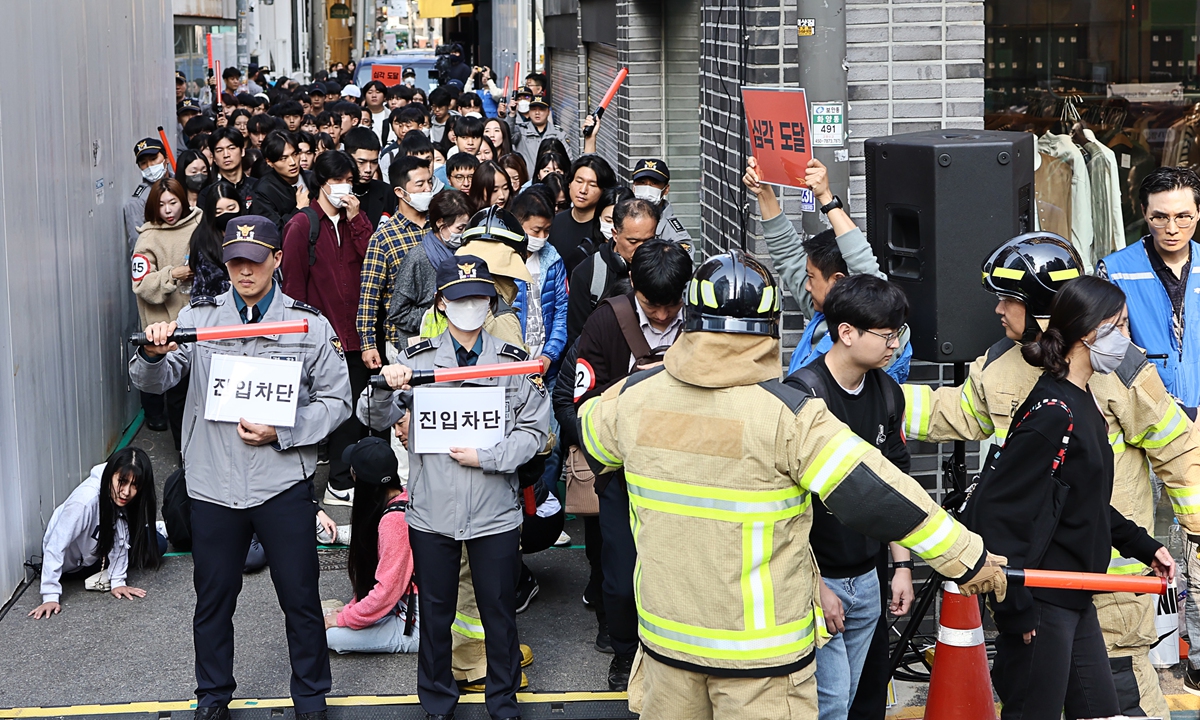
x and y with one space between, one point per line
747 537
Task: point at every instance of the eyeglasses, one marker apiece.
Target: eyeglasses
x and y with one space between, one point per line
890 337
462 177
1160 222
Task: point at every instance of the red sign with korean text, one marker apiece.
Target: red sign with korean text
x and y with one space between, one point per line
388 74
777 119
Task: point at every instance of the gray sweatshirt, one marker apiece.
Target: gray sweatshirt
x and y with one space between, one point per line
71 539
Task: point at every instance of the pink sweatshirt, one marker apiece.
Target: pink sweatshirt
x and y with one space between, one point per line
392 575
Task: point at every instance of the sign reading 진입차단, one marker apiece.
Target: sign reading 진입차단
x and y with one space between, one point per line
780 136
466 417
261 390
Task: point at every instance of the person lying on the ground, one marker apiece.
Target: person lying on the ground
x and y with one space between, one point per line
381 617
105 526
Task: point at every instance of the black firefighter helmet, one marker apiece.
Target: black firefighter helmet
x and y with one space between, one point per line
1032 268
733 293
497 225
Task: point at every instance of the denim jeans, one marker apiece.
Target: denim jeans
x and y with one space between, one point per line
385 636
840 662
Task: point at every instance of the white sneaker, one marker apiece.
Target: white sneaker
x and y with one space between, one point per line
343 535
563 540
100 582
161 526
339 497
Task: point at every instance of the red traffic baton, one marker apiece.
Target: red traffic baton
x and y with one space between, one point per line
608 96
162 134
475 372
1095 582
228 332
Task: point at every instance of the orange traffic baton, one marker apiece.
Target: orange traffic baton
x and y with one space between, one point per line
473 372
1095 582
229 332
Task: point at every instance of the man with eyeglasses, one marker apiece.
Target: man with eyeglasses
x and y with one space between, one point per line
1161 279
866 319
809 268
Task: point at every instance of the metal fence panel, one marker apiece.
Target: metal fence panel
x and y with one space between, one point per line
102 81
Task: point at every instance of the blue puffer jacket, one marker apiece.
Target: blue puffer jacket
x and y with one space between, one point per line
554 306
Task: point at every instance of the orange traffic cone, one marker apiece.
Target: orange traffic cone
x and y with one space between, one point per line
960 687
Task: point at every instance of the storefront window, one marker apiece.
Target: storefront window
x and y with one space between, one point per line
191 53
1110 87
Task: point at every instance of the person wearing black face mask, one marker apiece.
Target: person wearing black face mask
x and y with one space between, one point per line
210 277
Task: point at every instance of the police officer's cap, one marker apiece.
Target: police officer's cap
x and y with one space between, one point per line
461 276
373 462
148 146
652 169
733 293
252 237
180 78
187 105
524 92
1032 268
539 100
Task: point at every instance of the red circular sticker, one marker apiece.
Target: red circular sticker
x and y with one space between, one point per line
141 266
585 378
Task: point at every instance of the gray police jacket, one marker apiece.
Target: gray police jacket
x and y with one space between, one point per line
669 227
450 499
220 468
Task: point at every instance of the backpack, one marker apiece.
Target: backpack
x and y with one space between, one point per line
314 230
815 382
177 511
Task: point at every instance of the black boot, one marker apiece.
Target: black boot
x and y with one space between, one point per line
216 712
618 672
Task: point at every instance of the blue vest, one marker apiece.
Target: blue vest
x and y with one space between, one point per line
1151 318
806 351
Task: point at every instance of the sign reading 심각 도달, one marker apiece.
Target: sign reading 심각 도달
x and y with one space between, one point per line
780 136
388 74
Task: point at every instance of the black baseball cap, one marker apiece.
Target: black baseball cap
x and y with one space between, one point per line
187 105
148 146
180 77
523 91
653 169
461 276
252 237
373 462
540 99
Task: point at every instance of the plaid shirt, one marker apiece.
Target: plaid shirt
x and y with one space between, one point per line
395 237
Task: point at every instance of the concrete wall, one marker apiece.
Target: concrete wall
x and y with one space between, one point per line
66 167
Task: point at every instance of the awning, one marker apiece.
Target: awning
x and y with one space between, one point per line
428 9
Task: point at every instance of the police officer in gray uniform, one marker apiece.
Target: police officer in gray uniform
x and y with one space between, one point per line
246 478
151 159
469 496
652 182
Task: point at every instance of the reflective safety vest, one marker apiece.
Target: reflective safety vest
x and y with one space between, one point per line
1144 423
1151 313
720 491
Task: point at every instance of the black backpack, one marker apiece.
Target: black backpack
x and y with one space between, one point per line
815 382
177 511
314 230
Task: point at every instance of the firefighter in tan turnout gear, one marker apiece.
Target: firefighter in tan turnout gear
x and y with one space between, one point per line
722 461
1144 423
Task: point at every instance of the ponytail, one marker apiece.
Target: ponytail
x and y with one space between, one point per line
1049 352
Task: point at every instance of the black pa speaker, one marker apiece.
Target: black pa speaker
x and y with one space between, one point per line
938 203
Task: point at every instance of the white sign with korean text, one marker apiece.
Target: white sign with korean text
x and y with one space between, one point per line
466 417
828 125
260 390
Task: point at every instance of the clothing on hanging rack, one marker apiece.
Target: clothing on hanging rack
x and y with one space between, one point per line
1082 233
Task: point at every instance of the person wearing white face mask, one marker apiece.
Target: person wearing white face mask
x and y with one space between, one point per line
412 182
416 282
323 269
151 160
1057 455
468 496
652 183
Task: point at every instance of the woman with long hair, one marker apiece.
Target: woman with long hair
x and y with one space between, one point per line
104 528
550 163
498 132
487 151
1044 502
518 174
381 617
490 186
195 173
210 276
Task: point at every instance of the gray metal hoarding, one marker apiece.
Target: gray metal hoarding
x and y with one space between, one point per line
83 81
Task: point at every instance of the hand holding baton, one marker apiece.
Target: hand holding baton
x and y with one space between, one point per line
227 332
476 372
1095 582
608 96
